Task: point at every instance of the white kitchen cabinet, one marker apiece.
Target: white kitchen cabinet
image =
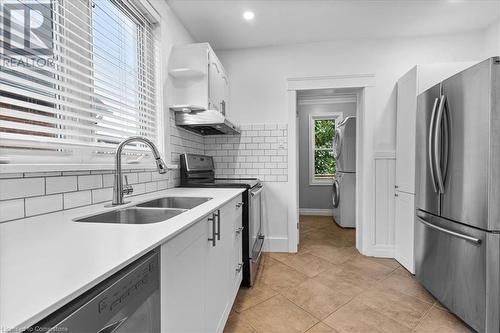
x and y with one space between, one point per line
183 283
199 80
409 86
198 284
404 224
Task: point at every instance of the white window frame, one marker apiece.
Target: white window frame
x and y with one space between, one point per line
36 164
337 117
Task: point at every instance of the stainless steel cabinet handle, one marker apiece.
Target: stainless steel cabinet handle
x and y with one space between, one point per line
217 216
239 204
240 266
239 230
446 231
437 144
213 239
430 147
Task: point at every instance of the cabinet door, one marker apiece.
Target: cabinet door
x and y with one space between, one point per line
183 282
217 277
405 132
404 229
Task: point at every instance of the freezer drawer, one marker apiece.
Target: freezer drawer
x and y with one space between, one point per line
459 266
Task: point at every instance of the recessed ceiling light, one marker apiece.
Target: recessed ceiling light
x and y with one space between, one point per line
248 15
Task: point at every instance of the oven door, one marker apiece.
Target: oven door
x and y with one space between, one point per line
255 235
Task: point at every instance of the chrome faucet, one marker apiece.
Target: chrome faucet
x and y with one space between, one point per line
118 189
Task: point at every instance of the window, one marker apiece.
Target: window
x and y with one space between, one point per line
322 164
77 82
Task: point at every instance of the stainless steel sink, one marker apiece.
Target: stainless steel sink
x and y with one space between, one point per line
175 202
133 215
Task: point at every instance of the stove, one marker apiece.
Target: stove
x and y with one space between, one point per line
199 171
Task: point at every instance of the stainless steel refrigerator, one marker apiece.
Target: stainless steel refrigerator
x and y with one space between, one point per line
457 228
344 183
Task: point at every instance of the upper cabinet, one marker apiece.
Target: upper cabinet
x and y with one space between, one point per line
200 82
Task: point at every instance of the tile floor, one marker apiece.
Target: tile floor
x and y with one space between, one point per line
329 287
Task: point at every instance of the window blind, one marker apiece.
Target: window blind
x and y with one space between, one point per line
77 77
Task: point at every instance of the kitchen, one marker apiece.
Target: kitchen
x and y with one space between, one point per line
199 225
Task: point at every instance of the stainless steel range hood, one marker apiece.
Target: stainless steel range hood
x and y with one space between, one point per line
207 122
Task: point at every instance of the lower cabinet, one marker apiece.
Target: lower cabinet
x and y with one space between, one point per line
201 276
404 229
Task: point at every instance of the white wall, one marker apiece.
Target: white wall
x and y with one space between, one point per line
492 40
171 33
258 82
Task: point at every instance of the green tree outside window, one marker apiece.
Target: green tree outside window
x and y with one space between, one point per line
324 162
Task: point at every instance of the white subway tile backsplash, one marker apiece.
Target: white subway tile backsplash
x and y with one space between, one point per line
257 152
270 126
11 209
102 194
60 184
44 204
89 182
144 177
77 199
13 188
108 180
151 187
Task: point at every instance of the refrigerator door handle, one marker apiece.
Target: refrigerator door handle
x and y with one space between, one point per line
430 148
423 219
437 142
447 140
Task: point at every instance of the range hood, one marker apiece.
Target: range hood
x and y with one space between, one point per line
205 122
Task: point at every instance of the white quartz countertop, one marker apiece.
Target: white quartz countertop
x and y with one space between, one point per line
48 260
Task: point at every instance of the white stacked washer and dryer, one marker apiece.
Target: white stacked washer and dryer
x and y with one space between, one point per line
344 183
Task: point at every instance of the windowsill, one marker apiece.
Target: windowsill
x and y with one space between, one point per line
21 168
322 182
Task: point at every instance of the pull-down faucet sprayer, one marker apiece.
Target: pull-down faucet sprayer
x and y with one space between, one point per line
118 189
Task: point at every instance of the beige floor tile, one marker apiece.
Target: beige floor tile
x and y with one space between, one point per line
331 253
316 298
277 315
237 324
407 284
365 266
356 317
321 328
438 320
278 275
349 283
306 263
387 298
248 297
407 310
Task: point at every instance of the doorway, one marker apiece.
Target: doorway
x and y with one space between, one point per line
364 84
327 170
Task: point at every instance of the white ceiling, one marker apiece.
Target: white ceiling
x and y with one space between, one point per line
277 22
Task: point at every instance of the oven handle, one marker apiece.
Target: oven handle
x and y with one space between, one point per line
256 260
257 192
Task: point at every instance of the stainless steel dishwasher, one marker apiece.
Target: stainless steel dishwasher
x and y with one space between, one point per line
128 301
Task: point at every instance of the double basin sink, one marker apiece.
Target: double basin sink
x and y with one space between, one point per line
152 211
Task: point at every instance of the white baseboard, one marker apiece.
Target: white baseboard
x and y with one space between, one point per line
316 212
276 244
381 251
